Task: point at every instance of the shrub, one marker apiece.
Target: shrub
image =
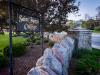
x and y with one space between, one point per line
96 52
37 37
14 35
18 50
33 40
46 40
97 28
29 40
3 60
1 32
37 34
26 44
87 62
80 52
37 42
87 66
51 44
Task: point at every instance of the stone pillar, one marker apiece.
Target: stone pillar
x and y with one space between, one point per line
82 38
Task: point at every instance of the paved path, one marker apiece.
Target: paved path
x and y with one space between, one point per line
96 40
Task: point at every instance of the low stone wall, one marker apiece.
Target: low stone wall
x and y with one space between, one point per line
55 60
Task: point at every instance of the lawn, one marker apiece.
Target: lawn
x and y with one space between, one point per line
96 31
4 40
19 48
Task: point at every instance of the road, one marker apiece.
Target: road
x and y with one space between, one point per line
96 40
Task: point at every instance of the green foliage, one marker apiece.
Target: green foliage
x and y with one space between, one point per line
80 52
87 62
91 24
51 44
71 24
19 46
4 41
46 40
37 37
87 66
37 42
55 27
97 29
18 50
3 60
1 32
29 40
34 38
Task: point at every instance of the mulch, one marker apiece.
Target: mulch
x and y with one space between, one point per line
72 67
24 63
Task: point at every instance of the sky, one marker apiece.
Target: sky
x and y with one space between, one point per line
86 7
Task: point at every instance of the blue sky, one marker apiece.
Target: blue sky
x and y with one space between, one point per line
86 7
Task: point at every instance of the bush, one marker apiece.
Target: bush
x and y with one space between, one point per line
37 37
96 52
1 32
46 40
87 62
33 40
37 42
80 52
87 66
18 50
3 60
50 44
26 44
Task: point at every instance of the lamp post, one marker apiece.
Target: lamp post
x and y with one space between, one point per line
10 37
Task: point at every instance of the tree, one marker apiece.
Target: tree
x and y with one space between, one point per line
71 23
98 10
53 11
3 14
59 16
90 24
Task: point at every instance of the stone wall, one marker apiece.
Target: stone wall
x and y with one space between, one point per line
83 38
55 60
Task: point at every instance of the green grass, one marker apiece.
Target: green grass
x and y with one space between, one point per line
19 48
4 40
96 31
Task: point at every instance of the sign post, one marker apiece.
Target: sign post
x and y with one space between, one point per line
10 38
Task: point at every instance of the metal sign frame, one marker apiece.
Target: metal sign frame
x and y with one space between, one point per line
33 13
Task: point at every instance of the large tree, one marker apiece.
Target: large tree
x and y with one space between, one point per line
57 15
3 14
98 10
52 11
